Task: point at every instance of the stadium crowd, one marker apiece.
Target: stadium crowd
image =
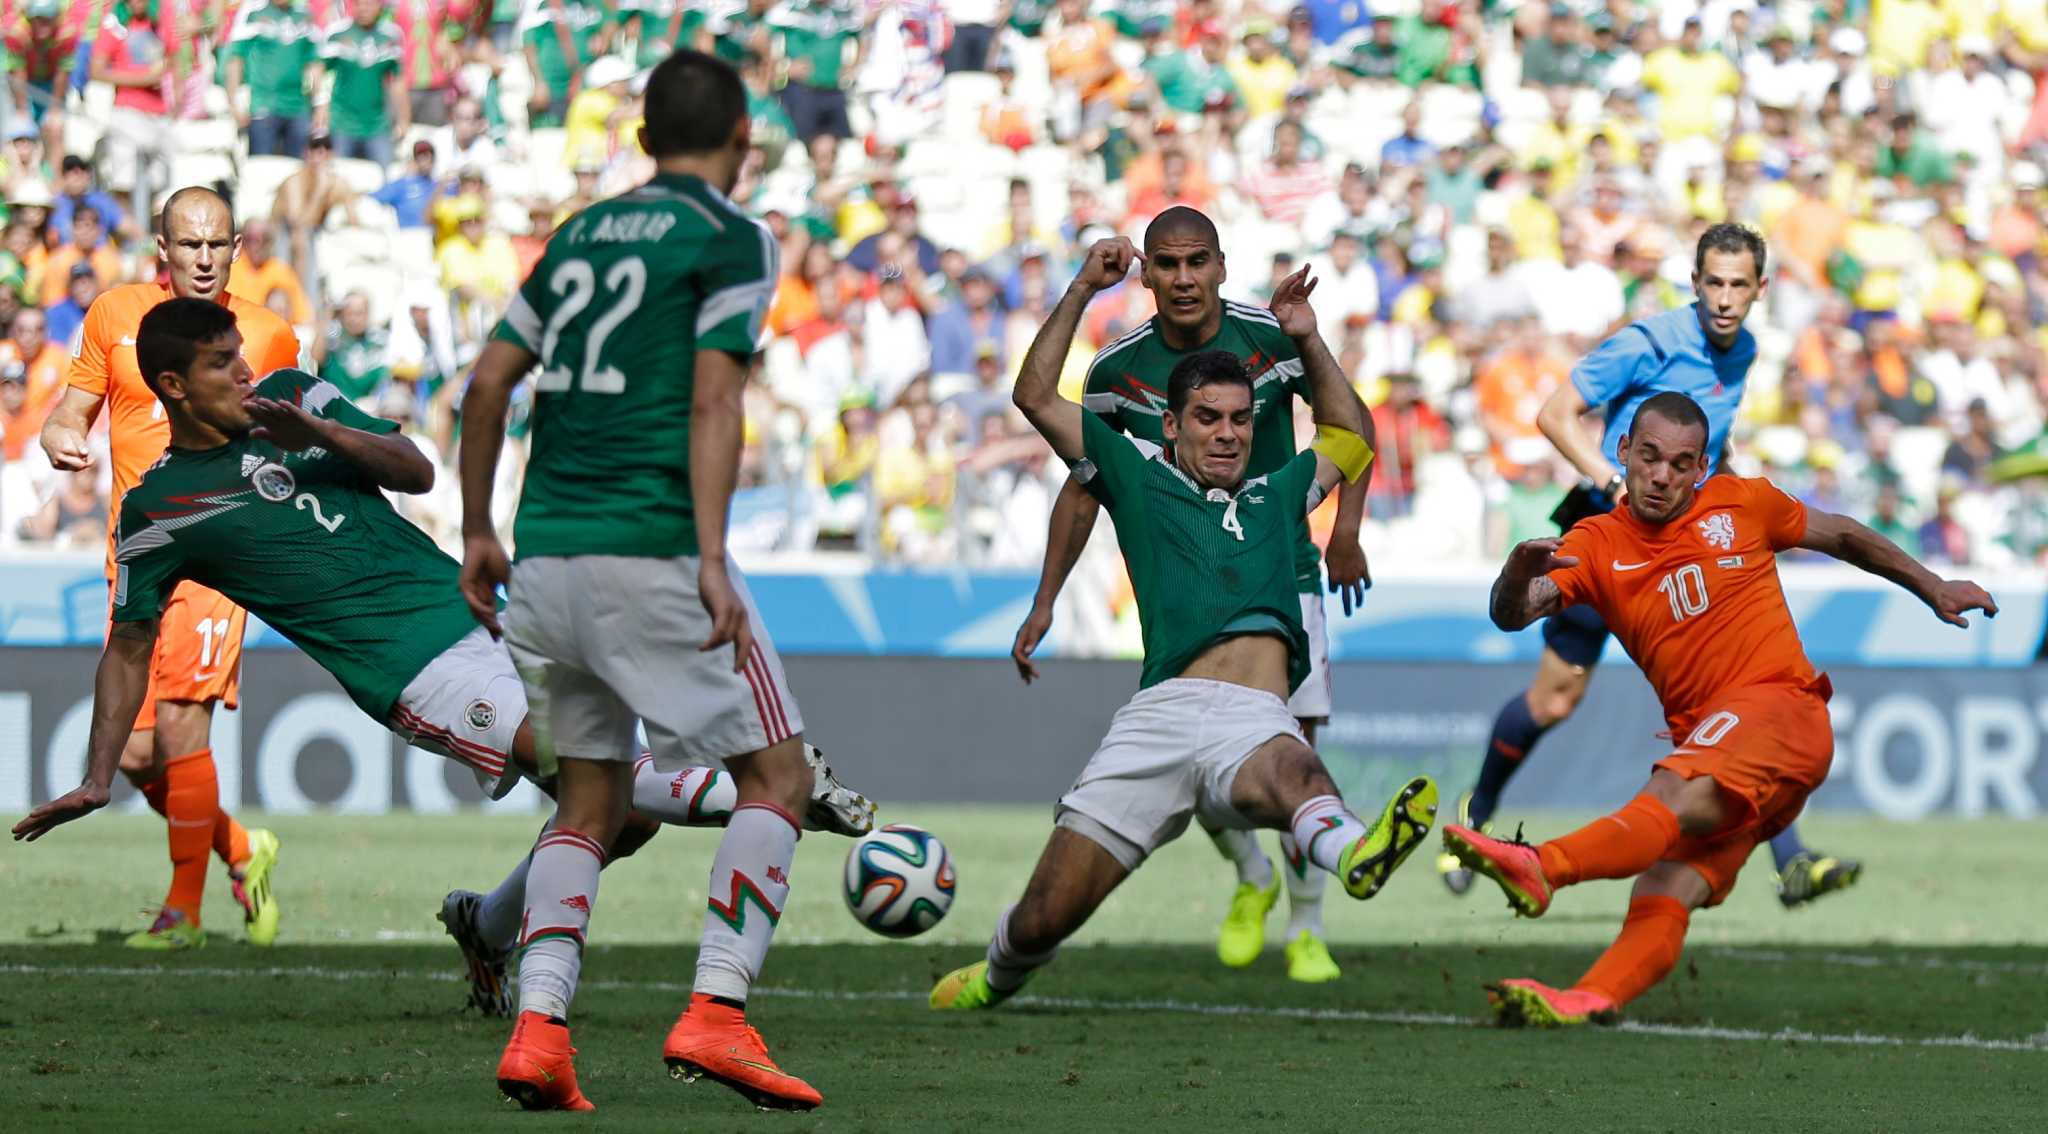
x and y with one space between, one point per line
1486 188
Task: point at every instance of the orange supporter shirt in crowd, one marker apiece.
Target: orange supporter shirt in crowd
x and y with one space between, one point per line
104 365
252 284
1696 601
106 266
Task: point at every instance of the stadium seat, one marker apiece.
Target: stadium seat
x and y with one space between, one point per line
362 176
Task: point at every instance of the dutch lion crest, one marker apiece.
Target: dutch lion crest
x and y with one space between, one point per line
1719 530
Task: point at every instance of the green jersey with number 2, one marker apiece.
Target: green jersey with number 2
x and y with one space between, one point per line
305 541
618 307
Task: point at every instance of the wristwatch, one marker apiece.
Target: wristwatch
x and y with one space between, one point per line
1614 486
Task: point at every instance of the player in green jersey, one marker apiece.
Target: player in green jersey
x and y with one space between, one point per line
1184 270
271 494
1211 557
642 316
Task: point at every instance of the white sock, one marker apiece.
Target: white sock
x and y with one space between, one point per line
693 797
1304 890
560 890
749 885
497 919
1242 849
1007 968
1325 828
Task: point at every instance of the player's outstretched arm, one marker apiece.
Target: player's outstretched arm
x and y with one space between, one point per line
1342 452
1073 517
1038 383
1857 545
64 431
391 459
1559 421
485 567
118 689
1344 558
1524 592
717 420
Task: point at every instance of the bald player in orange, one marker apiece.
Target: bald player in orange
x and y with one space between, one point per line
1685 572
199 650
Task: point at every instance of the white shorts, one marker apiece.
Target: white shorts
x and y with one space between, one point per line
467 705
1311 701
601 640
1172 752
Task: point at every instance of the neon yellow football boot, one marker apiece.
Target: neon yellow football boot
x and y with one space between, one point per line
1243 936
252 888
965 989
1309 960
1401 827
171 931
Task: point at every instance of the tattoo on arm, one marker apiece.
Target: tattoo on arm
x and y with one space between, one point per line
1518 602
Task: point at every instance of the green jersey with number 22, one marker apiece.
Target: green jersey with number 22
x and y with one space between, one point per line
625 296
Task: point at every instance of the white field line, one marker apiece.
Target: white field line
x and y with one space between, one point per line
1874 961
2035 1043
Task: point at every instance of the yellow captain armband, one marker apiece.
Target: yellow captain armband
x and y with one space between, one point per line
1343 448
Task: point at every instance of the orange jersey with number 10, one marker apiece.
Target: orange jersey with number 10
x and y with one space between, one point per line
1696 601
104 364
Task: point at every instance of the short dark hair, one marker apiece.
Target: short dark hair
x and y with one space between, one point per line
1203 368
1729 237
694 103
1182 221
73 162
163 222
172 333
88 211
1677 409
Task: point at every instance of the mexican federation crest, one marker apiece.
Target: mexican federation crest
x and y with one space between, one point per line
480 715
273 482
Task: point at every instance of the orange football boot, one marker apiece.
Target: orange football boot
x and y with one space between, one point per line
1515 865
1520 1003
536 1070
713 1041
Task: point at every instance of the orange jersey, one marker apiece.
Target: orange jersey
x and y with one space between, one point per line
1696 601
103 363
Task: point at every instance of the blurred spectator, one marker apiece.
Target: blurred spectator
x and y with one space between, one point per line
257 272
895 328
428 35
24 158
352 354
75 188
1408 431
597 111
819 41
975 23
409 194
76 516
303 203
1555 55
1511 386
845 458
1885 516
1689 82
463 142
900 244
562 38
1007 120
87 247
41 46
1408 147
1349 294
274 49
1578 299
368 107
1943 539
1262 75
479 270
82 286
1974 449
130 57
914 482
1087 82
1284 184
46 365
989 398
961 330
19 420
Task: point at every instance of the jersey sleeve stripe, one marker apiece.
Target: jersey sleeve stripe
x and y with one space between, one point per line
148 539
1282 371
1249 313
749 298
318 395
1100 404
522 321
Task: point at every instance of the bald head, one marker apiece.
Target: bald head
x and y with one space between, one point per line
195 235
1182 223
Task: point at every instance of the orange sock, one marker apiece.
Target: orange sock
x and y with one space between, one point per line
1621 845
156 792
230 839
191 808
1644 954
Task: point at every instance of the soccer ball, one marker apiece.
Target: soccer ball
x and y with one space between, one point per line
899 880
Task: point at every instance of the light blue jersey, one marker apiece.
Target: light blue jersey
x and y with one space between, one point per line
1665 352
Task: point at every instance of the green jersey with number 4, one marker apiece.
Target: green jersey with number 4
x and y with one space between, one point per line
1127 388
624 297
305 541
1206 564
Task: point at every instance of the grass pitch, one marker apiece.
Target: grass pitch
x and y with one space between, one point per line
1918 1001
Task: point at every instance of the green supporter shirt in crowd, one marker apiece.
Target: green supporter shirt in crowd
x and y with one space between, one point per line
818 32
277 47
1205 564
1126 387
624 297
1129 17
584 19
305 541
362 61
358 365
1186 80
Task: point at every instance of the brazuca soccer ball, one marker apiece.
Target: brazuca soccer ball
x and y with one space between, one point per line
899 880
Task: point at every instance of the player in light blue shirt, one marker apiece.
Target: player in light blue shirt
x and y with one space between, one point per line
1702 351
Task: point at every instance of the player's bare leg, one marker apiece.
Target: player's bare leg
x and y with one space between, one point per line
749 888
1284 785
1552 696
1074 876
593 798
171 763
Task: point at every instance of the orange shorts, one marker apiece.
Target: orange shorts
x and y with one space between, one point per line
1767 747
198 651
